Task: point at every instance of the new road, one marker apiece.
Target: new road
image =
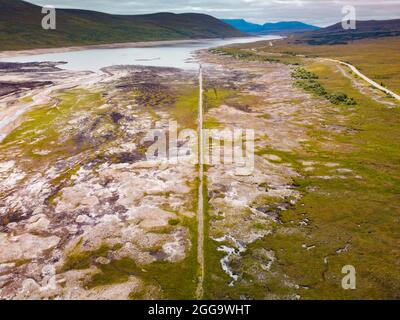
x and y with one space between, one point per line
364 77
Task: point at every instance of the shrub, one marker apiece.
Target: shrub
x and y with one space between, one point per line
311 86
301 73
308 82
341 98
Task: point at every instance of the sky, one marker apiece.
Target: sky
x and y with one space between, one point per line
318 12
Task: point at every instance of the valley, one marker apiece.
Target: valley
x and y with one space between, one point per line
85 214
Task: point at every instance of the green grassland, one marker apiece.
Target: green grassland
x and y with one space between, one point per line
342 219
358 212
379 59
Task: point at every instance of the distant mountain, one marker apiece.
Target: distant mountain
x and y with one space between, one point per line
243 25
335 34
284 27
287 27
20 27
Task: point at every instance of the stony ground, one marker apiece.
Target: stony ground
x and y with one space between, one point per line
245 209
86 214
78 193
313 204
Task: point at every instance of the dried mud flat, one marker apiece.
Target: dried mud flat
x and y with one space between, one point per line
85 215
78 196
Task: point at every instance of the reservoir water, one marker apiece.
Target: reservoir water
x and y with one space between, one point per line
179 55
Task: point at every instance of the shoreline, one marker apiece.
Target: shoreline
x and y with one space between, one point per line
117 45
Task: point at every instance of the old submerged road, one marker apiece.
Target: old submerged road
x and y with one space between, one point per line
200 210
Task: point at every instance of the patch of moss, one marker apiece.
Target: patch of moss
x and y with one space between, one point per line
177 280
79 260
173 222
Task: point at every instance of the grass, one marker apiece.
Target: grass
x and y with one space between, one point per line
379 59
242 53
79 260
176 280
186 107
359 212
41 127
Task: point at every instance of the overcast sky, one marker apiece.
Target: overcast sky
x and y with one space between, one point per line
319 12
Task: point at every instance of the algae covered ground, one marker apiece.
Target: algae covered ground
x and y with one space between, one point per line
90 210
347 166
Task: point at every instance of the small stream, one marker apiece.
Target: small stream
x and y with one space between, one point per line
235 251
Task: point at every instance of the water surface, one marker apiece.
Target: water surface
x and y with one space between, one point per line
173 55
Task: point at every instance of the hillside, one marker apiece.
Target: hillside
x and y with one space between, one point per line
20 27
284 27
335 34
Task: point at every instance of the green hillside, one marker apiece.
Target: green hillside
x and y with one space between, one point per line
20 27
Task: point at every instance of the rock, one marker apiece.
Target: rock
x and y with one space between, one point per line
343 170
103 260
41 152
5 166
109 292
5 267
131 251
84 219
107 231
175 251
48 270
4 279
12 179
150 218
308 163
24 247
331 164
72 229
38 223
75 197
272 157
29 286
12 225
146 241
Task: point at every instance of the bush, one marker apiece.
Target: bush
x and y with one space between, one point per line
301 73
308 82
341 98
311 86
